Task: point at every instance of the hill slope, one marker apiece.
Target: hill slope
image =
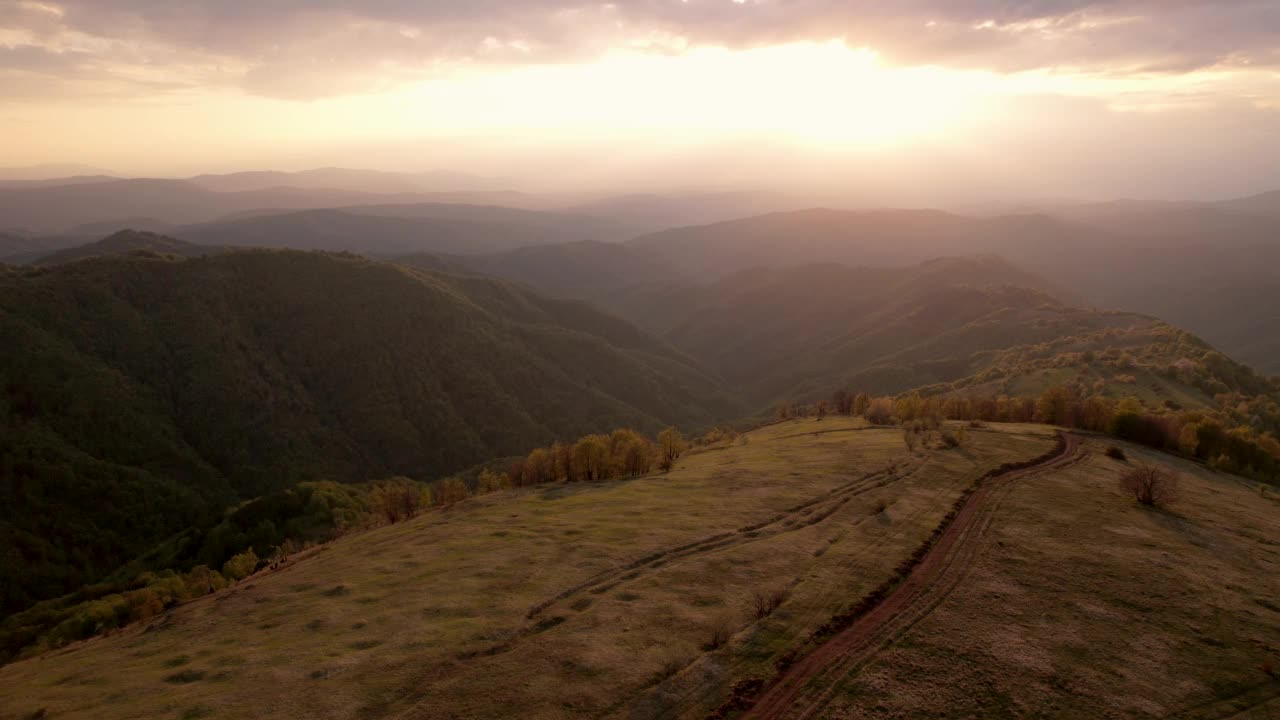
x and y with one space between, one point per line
399 229
798 333
62 207
153 392
650 609
128 241
587 270
863 237
1205 267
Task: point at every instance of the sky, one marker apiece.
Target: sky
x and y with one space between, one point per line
912 101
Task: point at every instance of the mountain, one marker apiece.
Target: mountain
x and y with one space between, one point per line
16 243
366 181
398 229
56 209
586 270
864 237
57 182
799 332
1175 224
51 171
129 241
1197 266
1262 204
664 211
152 392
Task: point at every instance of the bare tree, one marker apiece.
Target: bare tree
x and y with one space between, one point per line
1151 485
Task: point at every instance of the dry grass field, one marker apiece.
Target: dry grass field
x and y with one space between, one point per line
636 598
1083 604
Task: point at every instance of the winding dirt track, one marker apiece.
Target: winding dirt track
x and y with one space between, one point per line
810 512
809 685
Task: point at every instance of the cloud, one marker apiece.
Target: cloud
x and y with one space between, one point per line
314 48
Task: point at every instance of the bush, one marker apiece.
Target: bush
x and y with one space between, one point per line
1116 453
241 566
1151 485
452 490
765 602
719 632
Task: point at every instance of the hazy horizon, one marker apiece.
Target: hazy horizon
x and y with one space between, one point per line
923 103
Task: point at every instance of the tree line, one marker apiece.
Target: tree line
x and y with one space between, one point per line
1238 437
266 531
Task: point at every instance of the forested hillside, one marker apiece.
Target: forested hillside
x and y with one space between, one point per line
128 241
153 392
793 333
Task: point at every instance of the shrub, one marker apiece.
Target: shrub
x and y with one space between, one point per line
911 439
397 499
1116 453
452 490
241 566
766 601
1151 485
880 411
949 438
719 632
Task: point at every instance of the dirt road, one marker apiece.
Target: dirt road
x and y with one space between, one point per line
808 685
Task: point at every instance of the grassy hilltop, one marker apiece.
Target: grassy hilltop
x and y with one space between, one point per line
637 598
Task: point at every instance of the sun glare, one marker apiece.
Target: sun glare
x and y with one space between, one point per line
820 93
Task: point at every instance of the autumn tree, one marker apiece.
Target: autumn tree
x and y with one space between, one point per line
879 411
630 454
397 498
822 409
861 404
539 468
1151 485
240 566
671 445
452 490
591 458
491 482
1054 406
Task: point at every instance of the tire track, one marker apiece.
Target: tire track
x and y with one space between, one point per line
808 513
926 585
1240 705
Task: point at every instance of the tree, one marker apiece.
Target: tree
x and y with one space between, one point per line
491 482
880 411
861 404
241 566
452 490
397 499
1054 406
671 446
630 454
591 458
1151 485
539 468
822 409
910 437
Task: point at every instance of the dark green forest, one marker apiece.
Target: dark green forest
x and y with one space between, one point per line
150 393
